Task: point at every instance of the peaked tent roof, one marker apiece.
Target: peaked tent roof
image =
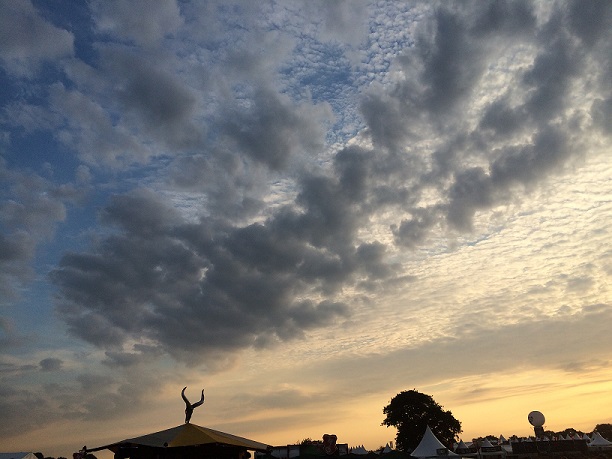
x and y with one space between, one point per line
187 435
464 450
429 446
486 448
598 440
461 446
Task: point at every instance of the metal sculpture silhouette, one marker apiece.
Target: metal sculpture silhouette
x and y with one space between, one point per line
189 407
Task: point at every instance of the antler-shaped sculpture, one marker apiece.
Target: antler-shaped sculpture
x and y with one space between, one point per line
189 407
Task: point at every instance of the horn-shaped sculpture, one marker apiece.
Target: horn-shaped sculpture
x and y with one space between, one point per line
189 407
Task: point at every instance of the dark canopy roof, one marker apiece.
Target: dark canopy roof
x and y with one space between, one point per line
186 435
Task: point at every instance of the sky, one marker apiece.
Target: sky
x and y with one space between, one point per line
303 208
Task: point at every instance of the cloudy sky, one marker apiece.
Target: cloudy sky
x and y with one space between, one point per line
303 207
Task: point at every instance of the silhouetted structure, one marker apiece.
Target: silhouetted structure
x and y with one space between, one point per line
186 441
189 407
549 447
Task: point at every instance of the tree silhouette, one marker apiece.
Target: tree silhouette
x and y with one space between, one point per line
411 412
605 430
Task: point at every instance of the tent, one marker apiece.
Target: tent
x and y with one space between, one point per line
486 444
490 450
186 440
360 450
599 442
466 451
430 446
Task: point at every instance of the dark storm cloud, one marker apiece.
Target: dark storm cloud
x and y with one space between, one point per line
271 128
208 286
414 231
504 19
471 190
476 189
440 153
194 287
452 63
162 104
233 188
548 79
140 214
504 119
531 162
590 20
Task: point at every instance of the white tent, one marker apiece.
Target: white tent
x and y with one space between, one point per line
490 450
464 450
599 442
359 450
430 446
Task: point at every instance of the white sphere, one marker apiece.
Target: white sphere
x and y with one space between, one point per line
536 419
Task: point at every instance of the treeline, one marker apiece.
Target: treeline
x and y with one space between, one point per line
605 430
